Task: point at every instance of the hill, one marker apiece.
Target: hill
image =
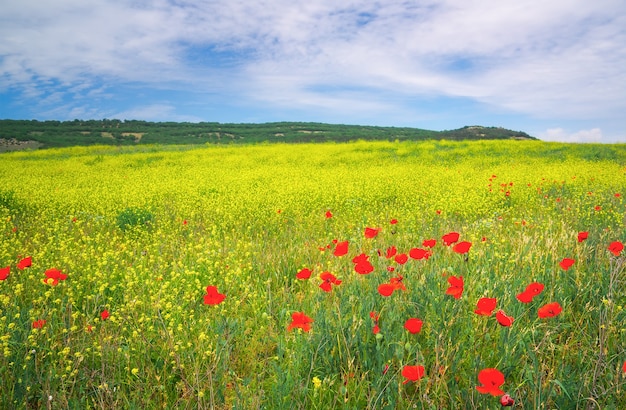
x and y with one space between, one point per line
25 134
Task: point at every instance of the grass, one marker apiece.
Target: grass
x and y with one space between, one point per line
247 219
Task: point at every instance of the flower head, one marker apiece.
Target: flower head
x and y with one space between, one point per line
412 373
566 263
104 314
530 292
53 276
456 287
462 247
549 310
213 297
300 320
341 248
4 272
25 263
616 248
485 306
450 238
582 236
371 232
503 319
413 325
491 380
304 274
328 279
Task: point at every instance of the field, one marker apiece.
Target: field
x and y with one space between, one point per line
314 276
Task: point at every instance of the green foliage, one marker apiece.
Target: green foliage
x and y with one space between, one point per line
134 217
116 132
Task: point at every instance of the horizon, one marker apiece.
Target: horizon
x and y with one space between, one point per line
553 71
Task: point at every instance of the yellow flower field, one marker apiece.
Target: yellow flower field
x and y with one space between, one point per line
314 276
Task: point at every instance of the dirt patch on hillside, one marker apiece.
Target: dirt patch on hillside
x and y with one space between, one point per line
15 145
137 135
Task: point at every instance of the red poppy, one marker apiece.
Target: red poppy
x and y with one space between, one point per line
566 263
503 319
401 259
456 287
376 329
304 274
371 232
485 306
213 297
4 272
462 247
429 243
38 324
341 248
624 367
549 310
329 215
419 253
386 289
412 373
104 314
53 276
598 208
362 264
397 283
393 221
413 325
25 263
531 291
328 280
300 320
491 380
616 248
450 238
391 252
582 236
375 316
506 401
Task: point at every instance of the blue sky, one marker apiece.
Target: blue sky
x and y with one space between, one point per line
555 69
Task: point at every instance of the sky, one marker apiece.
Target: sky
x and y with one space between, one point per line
555 69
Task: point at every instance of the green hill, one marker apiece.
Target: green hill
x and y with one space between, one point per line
25 134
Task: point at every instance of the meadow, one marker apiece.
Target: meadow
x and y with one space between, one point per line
381 275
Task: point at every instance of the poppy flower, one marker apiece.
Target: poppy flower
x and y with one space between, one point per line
371 232
485 306
413 325
566 263
598 208
375 316
624 367
450 238
429 243
412 373
616 248
4 272
38 324
386 289
213 297
328 280
341 248
491 380
462 247
397 283
362 264
456 287
53 276
300 320
393 221
104 314
376 329
304 274
419 253
549 310
25 263
401 259
391 252
503 319
328 215
531 291
582 236
506 401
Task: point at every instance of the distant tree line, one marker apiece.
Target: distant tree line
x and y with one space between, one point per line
131 132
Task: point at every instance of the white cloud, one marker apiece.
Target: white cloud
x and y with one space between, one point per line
560 135
557 59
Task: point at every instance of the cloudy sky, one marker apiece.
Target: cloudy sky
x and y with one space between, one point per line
553 68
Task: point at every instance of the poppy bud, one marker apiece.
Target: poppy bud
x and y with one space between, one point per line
506 401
